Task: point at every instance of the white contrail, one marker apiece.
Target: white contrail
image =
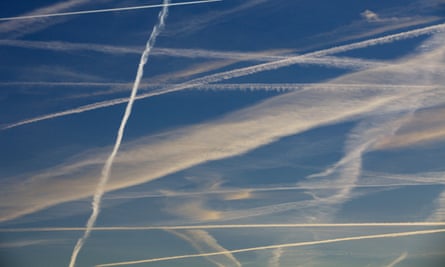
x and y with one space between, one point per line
398 260
288 245
338 62
226 226
117 101
244 71
105 175
104 10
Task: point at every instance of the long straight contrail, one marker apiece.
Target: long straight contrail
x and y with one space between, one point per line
105 175
339 62
243 72
288 245
226 226
83 12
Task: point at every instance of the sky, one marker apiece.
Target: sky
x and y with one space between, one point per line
222 133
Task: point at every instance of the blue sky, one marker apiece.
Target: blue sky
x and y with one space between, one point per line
263 133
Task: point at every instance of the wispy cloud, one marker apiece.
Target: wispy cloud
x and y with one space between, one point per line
369 15
27 243
288 245
204 242
423 127
276 257
14 29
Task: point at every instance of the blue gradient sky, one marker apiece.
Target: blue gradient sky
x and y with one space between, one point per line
353 132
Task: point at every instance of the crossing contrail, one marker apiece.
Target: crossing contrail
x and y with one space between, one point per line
105 175
105 10
225 226
288 245
243 72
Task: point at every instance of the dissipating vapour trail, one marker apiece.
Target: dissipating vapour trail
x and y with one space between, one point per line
106 170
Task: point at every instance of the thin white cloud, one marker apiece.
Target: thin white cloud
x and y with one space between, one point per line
27 243
370 16
288 245
14 29
274 261
439 212
423 127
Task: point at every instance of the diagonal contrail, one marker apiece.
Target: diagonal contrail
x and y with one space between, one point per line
288 245
398 260
243 72
83 12
105 175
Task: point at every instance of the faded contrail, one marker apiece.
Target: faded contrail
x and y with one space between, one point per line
339 62
225 226
288 245
244 71
202 241
105 10
398 260
105 175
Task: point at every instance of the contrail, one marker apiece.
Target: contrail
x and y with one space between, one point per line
244 71
398 260
105 175
225 226
174 88
105 10
288 245
339 62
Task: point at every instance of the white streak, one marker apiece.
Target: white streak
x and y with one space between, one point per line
105 10
398 260
244 71
226 226
288 245
105 175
